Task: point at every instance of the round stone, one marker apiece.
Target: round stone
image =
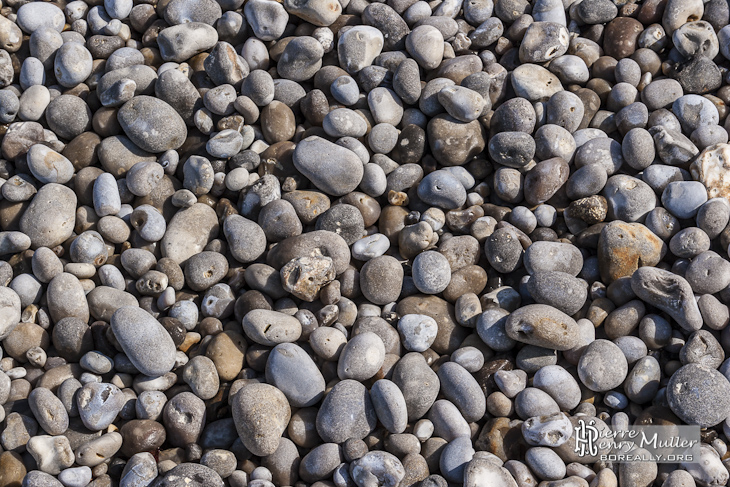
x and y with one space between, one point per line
431 272
417 332
602 366
709 406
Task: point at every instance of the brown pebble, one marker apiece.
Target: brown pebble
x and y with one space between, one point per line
12 469
142 435
620 37
277 122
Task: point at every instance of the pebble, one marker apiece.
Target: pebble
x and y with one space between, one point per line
548 431
707 382
425 43
270 328
362 357
381 279
462 390
602 366
358 47
390 405
32 17
293 372
442 189
452 142
190 474
11 307
261 414
666 291
543 326
48 411
143 339
419 384
543 41
72 65
181 42
51 453
559 384
346 412
99 404
684 198
455 457
558 289
314 157
553 256
624 247
267 19
431 272
152 124
417 332
480 470
545 463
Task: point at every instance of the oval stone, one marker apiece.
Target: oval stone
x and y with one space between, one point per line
261 414
543 326
152 124
144 340
330 167
291 370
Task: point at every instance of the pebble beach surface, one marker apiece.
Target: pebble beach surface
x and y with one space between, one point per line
334 243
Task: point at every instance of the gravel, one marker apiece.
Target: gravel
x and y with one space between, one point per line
390 244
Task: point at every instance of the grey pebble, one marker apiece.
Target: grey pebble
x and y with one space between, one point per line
602 366
390 405
143 340
346 412
99 404
708 382
292 371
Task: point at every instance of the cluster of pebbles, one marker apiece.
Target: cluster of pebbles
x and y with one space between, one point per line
334 243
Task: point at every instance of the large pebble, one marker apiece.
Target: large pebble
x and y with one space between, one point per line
390 405
267 18
99 404
293 372
550 431
333 169
670 293
460 387
346 412
543 326
49 411
602 366
558 289
33 16
699 395
11 309
49 219
181 42
710 168
152 124
261 413
144 340
358 47
378 466
246 239
362 357
453 142
625 247
189 232
270 328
